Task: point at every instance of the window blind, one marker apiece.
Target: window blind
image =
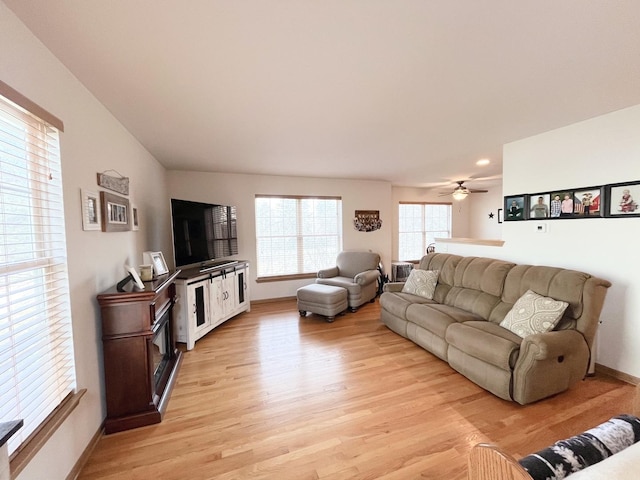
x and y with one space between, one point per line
418 225
297 235
37 368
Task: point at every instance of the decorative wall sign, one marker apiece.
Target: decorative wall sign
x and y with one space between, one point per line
118 184
367 220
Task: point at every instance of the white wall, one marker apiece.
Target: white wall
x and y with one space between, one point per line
93 142
240 190
602 150
480 206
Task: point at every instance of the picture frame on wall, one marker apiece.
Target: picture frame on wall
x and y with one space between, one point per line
588 202
135 220
622 199
539 206
91 218
561 204
115 213
515 208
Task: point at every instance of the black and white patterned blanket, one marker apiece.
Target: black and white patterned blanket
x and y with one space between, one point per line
576 453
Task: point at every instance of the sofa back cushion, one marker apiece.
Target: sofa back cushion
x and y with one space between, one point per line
352 263
446 264
557 283
477 285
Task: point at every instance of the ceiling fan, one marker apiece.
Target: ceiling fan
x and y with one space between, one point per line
461 192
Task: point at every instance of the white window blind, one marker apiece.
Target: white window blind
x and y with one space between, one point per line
37 368
419 225
297 235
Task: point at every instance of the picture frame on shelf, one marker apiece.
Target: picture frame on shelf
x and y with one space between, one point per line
622 199
91 218
134 276
157 260
561 204
588 202
539 206
515 208
115 213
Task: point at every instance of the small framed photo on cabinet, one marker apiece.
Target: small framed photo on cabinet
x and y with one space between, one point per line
157 260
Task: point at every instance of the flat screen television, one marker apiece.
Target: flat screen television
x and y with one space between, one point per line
203 232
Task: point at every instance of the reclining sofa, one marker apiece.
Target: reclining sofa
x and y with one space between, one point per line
461 323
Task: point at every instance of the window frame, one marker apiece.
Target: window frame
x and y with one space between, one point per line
30 446
260 278
423 231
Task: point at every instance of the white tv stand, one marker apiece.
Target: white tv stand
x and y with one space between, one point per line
209 296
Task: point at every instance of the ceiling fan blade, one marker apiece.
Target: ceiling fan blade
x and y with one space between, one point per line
473 190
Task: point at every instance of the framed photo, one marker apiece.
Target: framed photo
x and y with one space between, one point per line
135 221
515 208
157 260
500 215
539 206
90 210
115 213
622 199
588 202
561 204
134 275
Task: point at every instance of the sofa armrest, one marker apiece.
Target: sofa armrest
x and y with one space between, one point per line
328 272
551 345
393 287
549 363
365 278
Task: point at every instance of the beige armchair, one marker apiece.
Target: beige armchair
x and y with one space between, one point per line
357 272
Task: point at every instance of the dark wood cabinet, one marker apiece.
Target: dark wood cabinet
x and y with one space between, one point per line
141 360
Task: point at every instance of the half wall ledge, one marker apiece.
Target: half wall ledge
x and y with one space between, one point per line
472 241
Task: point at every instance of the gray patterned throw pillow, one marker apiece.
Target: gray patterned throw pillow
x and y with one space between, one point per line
533 313
422 283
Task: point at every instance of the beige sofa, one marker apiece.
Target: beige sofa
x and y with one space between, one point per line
461 323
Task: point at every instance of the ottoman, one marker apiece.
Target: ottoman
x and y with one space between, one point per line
324 300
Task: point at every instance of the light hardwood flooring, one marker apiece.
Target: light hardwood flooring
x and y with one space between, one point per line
270 395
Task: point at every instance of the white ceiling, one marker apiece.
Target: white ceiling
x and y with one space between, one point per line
408 91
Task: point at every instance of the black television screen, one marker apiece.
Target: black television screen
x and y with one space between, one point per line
202 232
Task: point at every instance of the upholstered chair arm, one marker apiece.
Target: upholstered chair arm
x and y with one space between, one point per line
328 272
365 278
549 363
393 287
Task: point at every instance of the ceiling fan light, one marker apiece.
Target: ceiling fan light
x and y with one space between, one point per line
460 194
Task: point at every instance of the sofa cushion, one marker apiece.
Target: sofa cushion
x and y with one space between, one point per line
486 341
534 313
421 283
397 303
436 318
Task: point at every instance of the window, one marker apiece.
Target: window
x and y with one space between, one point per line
297 235
37 370
419 225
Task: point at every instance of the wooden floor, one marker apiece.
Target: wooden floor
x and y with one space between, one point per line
271 395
